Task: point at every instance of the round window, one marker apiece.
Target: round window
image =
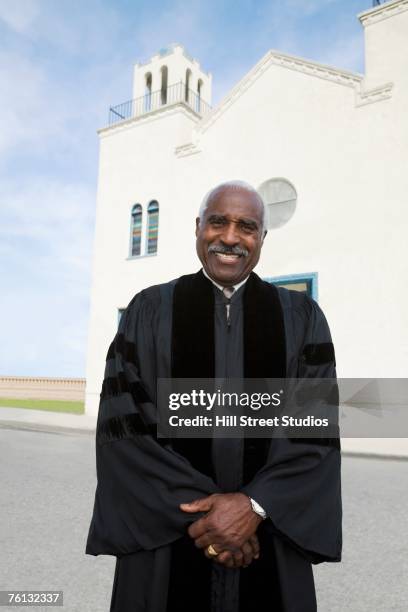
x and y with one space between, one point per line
280 199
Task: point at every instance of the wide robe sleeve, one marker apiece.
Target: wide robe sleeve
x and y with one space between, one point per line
140 480
300 485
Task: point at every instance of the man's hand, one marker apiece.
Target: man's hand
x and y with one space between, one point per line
229 523
241 558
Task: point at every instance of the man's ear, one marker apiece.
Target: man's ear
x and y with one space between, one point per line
264 236
197 225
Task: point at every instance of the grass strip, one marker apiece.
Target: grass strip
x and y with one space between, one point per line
38 404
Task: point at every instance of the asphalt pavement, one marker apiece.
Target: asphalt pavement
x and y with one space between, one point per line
47 488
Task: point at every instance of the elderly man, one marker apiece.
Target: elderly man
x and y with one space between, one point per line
214 525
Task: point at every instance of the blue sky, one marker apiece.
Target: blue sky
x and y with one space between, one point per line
61 65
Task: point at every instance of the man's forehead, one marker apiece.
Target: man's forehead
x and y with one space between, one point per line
235 202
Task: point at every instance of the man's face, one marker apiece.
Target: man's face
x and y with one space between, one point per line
230 236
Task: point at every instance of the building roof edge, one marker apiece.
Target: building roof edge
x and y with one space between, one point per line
382 11
291 62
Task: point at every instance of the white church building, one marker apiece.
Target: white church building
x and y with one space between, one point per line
326 148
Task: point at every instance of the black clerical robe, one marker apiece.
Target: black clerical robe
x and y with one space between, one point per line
179 330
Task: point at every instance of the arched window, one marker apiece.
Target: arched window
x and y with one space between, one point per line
148 92
136 230
164 78
152 226
187 89
199 92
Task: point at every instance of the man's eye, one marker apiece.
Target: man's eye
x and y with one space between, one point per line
248 229
217 222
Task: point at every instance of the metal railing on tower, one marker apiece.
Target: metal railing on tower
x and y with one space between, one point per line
153 101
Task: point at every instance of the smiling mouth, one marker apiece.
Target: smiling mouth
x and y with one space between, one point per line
227 258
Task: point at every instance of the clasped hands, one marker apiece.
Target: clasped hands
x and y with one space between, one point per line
229 526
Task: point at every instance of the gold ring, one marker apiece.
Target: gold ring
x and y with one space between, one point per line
211 551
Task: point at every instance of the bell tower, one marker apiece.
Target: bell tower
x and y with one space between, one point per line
171 77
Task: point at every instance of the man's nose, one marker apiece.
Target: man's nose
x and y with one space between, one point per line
230 234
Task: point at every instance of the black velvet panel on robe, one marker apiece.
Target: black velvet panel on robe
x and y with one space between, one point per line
193 347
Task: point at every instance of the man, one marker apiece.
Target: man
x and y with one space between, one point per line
214 525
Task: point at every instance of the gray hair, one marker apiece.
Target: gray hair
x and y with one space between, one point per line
231 185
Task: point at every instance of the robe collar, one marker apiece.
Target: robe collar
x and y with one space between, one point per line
220 287
193 342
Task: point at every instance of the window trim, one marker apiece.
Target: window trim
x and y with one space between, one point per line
130 250
292 279
146 246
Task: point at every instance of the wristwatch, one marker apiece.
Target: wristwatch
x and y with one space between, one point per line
257 508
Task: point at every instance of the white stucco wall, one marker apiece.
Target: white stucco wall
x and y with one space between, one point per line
341 139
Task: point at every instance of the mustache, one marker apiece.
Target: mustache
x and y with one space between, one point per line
219 248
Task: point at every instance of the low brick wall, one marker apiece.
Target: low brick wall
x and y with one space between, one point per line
21 387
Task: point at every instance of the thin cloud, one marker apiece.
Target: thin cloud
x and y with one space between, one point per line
19 16
55 216
47 234
306 7
346 53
